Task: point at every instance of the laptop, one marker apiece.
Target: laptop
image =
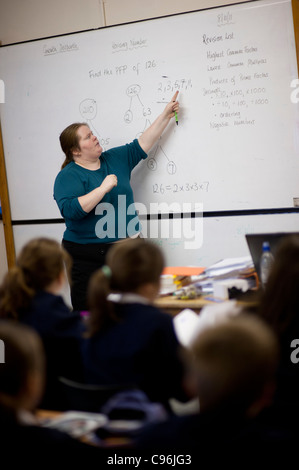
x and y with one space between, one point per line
255 244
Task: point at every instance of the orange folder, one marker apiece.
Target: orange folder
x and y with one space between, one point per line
183 270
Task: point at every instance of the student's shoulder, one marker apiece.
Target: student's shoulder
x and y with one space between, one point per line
169 434
51 310
50 301
152 314
149 308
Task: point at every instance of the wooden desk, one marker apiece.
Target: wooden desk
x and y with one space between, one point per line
112 438
173 305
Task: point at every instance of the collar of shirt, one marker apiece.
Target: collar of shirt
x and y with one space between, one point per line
129 298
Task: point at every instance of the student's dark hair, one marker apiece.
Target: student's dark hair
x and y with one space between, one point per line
69 141
233 361
279 303
39 263
23 354
130 264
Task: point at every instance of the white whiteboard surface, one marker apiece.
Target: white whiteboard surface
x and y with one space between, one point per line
222 237
236 145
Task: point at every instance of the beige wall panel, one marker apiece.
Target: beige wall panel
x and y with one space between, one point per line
118 11
23 20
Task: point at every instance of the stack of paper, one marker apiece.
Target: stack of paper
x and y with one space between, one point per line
188 324
229 267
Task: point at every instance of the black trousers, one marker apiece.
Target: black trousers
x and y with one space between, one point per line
86 259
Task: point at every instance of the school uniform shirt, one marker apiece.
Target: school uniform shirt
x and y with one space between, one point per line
141 349
61 331
219 436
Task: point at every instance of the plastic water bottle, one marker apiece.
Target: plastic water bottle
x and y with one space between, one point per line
266 263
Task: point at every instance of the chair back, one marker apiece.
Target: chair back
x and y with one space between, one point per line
88 397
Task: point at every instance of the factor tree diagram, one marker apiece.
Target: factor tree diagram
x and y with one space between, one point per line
133 92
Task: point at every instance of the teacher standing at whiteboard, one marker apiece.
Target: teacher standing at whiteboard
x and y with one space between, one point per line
95 198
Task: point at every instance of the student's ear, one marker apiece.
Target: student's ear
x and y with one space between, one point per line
190 384
155 288
265 399
150 290
32 391
190 379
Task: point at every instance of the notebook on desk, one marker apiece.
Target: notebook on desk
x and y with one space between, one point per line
255 244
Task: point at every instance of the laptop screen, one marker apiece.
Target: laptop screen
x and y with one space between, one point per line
255 244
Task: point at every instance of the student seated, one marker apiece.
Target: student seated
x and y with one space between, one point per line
232 367
30 293
128 339
22 374
279 307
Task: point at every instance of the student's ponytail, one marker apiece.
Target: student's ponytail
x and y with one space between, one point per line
40 263
131 264
15 293
100 308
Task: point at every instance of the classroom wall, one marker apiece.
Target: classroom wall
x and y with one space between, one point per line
24 20
117 11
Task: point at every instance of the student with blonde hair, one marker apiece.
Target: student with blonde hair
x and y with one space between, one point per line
128 339
31 293
232 367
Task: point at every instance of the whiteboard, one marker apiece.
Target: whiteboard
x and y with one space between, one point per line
219 237
236 144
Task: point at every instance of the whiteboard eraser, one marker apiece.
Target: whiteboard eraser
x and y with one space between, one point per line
220 288
296 201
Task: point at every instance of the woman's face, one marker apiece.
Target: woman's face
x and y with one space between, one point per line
89 145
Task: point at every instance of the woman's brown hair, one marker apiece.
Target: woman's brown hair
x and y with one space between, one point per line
39 263
130 264
69 141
